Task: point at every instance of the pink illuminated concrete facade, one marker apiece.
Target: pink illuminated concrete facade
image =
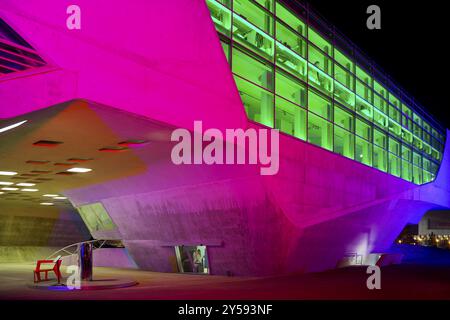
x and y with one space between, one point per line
141 82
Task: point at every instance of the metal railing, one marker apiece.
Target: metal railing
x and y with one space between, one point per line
73 248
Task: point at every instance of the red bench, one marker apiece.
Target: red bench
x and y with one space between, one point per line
56 265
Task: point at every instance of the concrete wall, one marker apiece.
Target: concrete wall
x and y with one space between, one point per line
441 219
31 232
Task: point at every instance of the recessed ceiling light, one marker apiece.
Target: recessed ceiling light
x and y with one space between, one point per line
4 183
51 195
46 203
79 170
10 189
15 125
29 190
1 192
25 184
60 198
7 173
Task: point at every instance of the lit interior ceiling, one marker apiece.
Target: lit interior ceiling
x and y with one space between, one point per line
72 145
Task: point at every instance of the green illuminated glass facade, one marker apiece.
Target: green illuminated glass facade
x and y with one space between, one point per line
299 76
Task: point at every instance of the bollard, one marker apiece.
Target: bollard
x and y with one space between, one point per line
85 261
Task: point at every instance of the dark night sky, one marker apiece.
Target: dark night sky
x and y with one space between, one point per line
409 47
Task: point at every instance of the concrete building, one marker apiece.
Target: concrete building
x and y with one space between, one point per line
87 116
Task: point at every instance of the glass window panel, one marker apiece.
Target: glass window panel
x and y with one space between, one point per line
417 175
221 16
319 105
406 153
364 109
394 165
253 38
268 4
395 128
363 76
417 143
225 2
380 119
290 19
320 80
407 135
394 100
320 60
426 137
253 69
394 146
427 149
363 129
435 154
344 143
258 103
290 89
290 39
380 138
434 132
364 91
226 49
343 60
255 15
344 76
380 104
319 41
363 152
343 118
394 114
426 126
434 168
406 171
290 61
417 130
406 110
417 119
417 159
320 132
344 95
380 159
426 164
427 177
380 90
290 118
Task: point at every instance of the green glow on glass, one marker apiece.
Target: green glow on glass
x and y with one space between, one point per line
392 138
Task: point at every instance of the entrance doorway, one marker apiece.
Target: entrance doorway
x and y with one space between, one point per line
192 259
